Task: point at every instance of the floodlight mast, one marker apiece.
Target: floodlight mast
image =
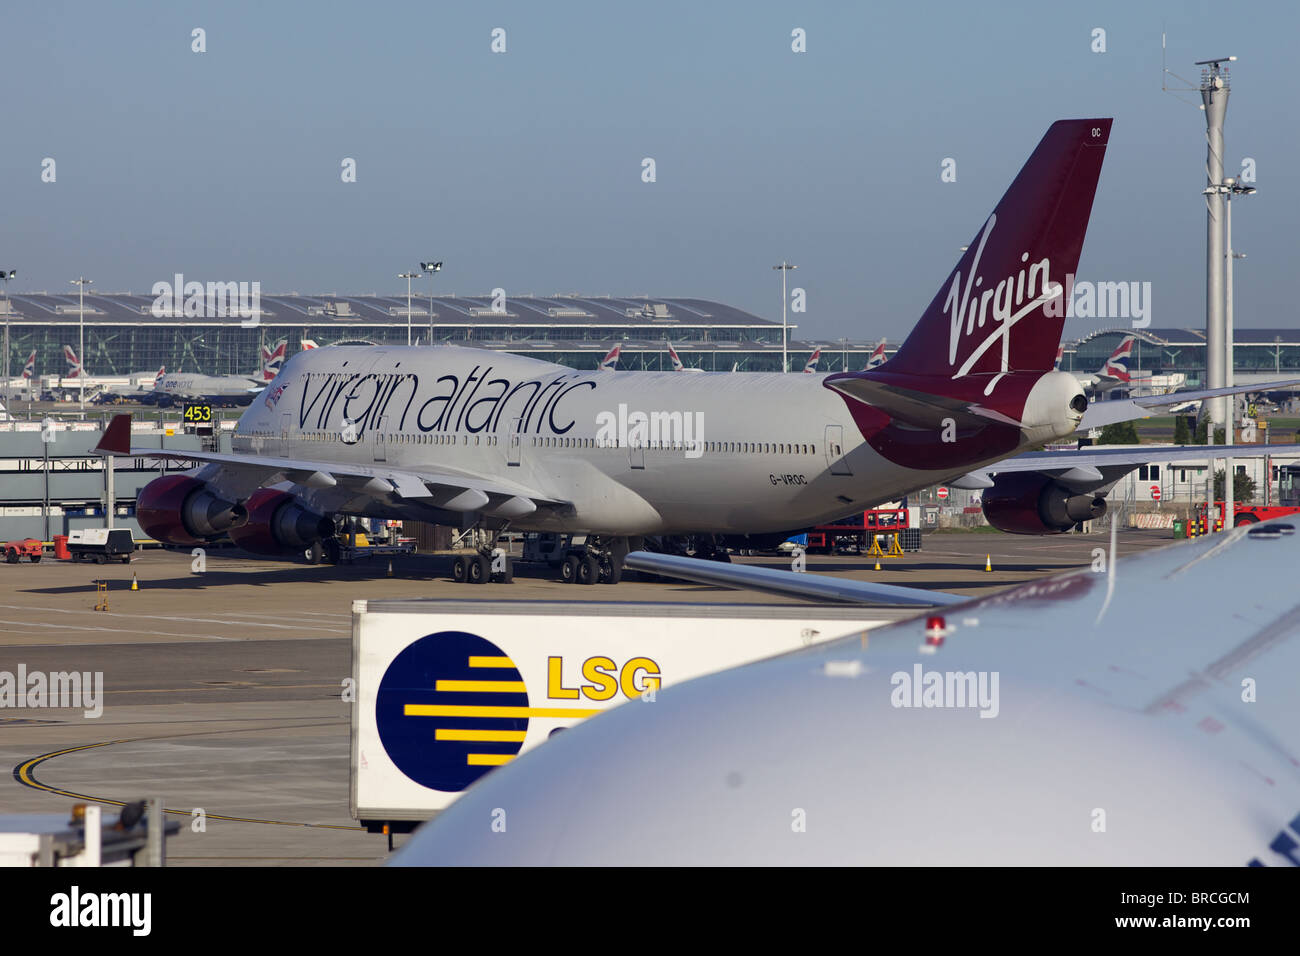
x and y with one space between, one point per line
408 276
785 267
431 268
1215 90
81 283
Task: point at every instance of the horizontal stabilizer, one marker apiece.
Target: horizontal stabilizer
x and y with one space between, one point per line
912 406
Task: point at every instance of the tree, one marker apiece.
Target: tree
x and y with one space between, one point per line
1121 433
1243 487
1202 432
1182 434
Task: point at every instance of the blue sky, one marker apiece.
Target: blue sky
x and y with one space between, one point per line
523 170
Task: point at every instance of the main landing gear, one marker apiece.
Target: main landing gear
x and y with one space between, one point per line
598 561
495 566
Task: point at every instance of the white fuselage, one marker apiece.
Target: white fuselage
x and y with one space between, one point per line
718 452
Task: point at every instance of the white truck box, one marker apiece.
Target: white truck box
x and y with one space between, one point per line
446 690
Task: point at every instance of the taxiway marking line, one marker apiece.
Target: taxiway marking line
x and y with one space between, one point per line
23 774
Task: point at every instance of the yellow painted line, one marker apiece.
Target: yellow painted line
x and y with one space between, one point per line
23 774
488 760
497 736
482 686
477 661
461 710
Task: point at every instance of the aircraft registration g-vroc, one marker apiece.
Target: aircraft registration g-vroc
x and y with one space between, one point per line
465 436
1088 719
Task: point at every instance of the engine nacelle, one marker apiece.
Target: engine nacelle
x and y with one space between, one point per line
279 524
178 509
1031 503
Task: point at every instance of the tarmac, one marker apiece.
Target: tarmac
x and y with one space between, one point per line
223 689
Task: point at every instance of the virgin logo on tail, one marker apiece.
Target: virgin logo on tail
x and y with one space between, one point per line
29 370
74 366
1006 303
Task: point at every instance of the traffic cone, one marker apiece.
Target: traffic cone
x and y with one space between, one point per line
988 562
390 567
135 585
877 564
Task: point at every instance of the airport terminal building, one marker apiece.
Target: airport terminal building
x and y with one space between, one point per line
125 335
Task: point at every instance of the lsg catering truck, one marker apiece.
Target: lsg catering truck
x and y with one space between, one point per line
444 691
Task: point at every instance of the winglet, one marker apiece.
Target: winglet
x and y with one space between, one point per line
117 437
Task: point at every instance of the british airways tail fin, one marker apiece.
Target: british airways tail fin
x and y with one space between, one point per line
1116 366
1002 308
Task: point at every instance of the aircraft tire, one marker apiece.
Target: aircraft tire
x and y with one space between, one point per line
569 569
480 571
589 570
459 570
313 553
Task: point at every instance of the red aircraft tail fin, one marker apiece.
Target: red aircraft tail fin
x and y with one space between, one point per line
1002 308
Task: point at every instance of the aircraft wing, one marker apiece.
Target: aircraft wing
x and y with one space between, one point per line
1097 466
812 587
1132 409
1140 716
446 488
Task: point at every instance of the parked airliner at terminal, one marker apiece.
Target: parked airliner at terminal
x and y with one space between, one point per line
463 436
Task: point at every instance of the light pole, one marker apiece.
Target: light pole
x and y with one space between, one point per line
408 276
6 276
784 267
1226 190
1215 89
1232 188
431 268
81 284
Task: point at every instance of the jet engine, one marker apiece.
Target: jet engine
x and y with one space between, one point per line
178 509
1032 503
278 523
